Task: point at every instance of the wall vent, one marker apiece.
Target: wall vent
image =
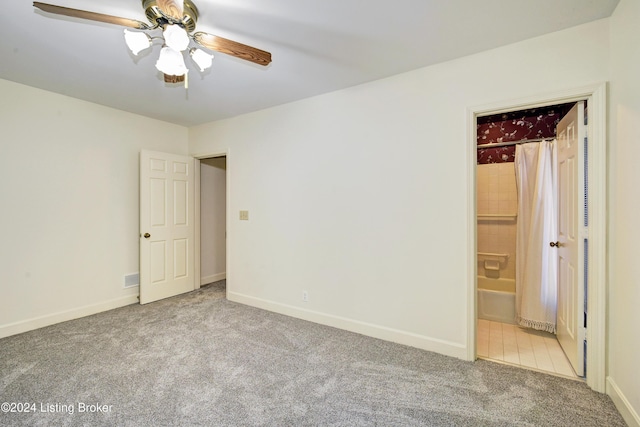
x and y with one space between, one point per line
131 280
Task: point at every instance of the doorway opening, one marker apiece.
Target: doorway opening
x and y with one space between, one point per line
172 260
211 207
517 218
594 258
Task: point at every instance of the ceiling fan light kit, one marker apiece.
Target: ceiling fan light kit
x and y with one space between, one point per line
202 58
177 19
136 41
176 37
171 62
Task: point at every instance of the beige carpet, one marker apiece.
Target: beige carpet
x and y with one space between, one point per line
198 359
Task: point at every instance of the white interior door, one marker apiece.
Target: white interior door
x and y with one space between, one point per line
571 133
167 227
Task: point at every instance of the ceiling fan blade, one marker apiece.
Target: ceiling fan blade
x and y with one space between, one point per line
239 50
172 8
93 16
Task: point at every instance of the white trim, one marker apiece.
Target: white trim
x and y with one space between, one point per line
447 348
196 238
597 274
472 229
630 416
596 305
212 278
228 225
63 316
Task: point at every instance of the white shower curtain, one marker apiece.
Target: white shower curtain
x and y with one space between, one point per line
536 260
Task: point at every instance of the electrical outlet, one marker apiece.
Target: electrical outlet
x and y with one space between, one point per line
244 215
305 296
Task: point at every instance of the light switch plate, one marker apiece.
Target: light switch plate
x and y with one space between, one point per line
244 215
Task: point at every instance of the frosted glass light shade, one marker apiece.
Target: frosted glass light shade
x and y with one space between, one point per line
202 58
176 37
136 41
171 62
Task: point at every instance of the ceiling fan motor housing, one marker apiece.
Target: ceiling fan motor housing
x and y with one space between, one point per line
155 16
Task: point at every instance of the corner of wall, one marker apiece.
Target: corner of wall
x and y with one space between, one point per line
63 316
447 348
623 405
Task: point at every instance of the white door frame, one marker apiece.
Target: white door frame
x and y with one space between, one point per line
596 96
222 153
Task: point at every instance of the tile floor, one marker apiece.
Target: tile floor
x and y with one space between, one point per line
524 347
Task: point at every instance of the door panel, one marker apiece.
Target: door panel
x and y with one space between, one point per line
158 258
180 205
181 258
167 216
570 136
158 195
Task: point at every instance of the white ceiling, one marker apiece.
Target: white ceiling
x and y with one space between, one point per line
318 46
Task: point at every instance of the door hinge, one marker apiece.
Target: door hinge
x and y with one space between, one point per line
585 320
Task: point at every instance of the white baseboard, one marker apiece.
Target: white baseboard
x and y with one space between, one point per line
62 316
622 404
212 278
381 332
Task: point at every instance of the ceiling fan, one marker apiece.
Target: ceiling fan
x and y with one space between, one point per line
177 20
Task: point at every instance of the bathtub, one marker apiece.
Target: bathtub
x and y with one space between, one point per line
497 299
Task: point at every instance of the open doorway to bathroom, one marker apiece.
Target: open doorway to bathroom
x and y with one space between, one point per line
503 333
595 258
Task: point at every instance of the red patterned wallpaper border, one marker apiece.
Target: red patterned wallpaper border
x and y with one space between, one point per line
516 126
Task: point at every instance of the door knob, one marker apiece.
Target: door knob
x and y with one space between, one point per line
147 235
554 244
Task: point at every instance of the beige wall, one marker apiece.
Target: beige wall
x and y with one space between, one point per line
69 218
359 197
624 208
497 195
